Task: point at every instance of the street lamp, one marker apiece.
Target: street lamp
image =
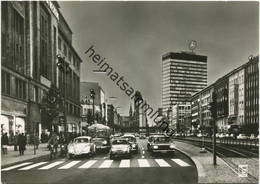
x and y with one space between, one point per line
92 95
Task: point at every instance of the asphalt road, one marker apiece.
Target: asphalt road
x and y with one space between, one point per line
141 168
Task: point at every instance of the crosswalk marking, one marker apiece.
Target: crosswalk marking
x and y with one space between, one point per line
16 166
88 164
69 165
124 163
180 162
51 165
32 166
106 164
143 163
162 163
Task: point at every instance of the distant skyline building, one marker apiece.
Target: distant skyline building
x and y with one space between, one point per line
183 74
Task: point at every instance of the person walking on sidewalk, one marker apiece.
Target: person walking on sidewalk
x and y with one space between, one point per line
15 141
21 143
5 142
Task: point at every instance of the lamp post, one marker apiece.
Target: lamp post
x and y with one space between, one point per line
63 67
92 95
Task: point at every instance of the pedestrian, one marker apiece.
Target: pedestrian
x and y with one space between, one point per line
21 143
5 142
15 141
37 141
53 145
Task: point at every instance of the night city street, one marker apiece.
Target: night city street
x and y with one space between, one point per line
129 92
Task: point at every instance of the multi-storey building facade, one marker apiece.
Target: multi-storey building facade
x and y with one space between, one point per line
29 55
183 74
251 96
237 98
200 114
180 115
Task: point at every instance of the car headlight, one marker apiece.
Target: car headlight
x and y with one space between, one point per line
104 142
172 146
70 150
155 147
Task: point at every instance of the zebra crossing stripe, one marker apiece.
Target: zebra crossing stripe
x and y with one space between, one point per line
180 162
32 166
143 163
162 163
16 166
88 164
124 164
51 165
106 164
69 165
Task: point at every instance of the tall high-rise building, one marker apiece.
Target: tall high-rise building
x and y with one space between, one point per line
183 74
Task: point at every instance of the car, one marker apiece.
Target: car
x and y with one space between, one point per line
142 136
136 135
221 136
161 144
199 135
82 145
242 136
120 147
252 137
132 140
101 143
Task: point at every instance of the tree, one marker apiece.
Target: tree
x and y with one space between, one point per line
50 106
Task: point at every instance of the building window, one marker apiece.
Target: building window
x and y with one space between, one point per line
6 87
45 62
59 43
20 88
64 49
35 94
18 42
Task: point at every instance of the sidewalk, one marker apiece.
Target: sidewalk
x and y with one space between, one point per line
14 157
207 173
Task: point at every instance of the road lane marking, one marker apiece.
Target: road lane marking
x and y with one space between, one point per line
51 165
88 164
124 163
142 156
143 152
16 166
32 166
162 163
106 164
180 162
143 163
69 165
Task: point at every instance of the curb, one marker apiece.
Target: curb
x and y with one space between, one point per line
200 169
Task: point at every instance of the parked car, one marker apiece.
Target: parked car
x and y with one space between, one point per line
199 135
120 147
101 143
242 136
252 137
132 140
221 136
160 143
142 136
82 145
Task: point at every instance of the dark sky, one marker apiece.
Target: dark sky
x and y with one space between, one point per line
134 35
